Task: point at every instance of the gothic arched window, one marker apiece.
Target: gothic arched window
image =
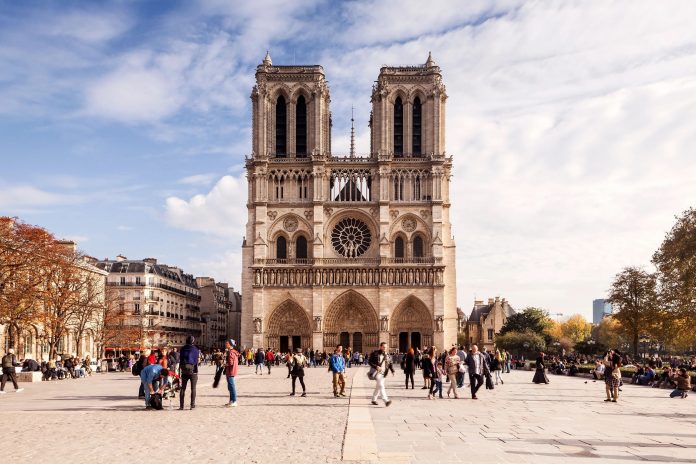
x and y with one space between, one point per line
301 127
399 247
398 127
417 148
301 248
281 146
281 248
418 251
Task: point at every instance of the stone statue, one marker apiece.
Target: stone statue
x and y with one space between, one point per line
439 320
257 325
317 323
384 323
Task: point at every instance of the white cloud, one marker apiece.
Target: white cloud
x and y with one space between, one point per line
221 212
123 228
199 179
91 27
19 198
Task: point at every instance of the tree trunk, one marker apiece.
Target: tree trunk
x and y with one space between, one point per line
635 344
51 349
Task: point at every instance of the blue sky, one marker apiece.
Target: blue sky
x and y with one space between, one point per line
124 126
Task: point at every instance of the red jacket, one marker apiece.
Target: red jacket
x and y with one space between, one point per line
152 359
232 363
270 356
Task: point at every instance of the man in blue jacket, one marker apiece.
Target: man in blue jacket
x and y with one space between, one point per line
337 365
149 376
188 366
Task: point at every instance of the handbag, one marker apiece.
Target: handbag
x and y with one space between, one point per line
372 373
462 368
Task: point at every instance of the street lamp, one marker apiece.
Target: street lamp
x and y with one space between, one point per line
558 315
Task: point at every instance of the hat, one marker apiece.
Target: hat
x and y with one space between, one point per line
232 342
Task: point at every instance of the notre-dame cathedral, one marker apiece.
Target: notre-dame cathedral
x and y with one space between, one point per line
348 249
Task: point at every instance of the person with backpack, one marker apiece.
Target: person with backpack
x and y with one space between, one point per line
259 359
270 359
150 377
9 362
189 371
298 363
337 366
380 365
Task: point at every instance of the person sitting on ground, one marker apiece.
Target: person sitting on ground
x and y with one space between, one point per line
646 378
683 381
598 371
573 369
663 379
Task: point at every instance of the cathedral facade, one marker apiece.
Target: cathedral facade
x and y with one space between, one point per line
348 249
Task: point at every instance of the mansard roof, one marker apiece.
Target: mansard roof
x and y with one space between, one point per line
483 310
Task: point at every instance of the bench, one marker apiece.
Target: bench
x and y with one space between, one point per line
29 376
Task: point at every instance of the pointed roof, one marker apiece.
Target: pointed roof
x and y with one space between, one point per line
429 63
267 59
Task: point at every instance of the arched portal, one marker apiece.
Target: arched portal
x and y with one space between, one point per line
411 325
351 318
288 328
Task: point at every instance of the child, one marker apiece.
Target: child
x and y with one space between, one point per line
439 378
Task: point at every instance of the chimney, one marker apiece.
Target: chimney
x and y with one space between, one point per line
150 260
490 301
68 245
478 302
120 258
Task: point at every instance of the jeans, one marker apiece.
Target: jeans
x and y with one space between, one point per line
379 389
476 380
460 380
437 388
232 388
184 382
676 392
259 367
497 376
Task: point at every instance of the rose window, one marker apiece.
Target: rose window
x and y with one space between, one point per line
350 237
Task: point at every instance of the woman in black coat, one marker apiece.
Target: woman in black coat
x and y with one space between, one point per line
409 365
540 374
428 367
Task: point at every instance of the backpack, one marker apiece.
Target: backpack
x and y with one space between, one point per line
137 368
8 360
156 401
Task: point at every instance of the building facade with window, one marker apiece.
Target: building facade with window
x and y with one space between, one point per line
220 308
355 249
601 308
486 320
161 302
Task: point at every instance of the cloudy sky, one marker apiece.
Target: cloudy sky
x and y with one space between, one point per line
124 126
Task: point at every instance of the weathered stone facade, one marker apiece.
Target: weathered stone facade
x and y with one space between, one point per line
351 249
485 322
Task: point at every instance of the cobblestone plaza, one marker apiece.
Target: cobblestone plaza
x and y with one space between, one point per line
99 420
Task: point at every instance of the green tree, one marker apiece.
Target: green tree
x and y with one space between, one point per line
576 328
634 294
521 342
676 264
530 319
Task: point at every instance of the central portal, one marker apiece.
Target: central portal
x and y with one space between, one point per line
351 321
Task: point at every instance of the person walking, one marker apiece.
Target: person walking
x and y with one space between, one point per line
540 374
409 365
259 359
477 366
9 362
299 362
497 367
173 360
452 369
231 367
189 371
380 365
462 360
270 359
337 366
428 365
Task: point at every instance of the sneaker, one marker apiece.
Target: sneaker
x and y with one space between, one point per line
607 400
19 390
387 403
342 394
614 400
375 403
234 404
303 395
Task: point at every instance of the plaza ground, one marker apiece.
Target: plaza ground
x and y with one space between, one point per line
99 420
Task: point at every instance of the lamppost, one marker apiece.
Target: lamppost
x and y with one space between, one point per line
558 316
644 341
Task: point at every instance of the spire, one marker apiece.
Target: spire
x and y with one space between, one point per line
352 133
267 60
429 62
